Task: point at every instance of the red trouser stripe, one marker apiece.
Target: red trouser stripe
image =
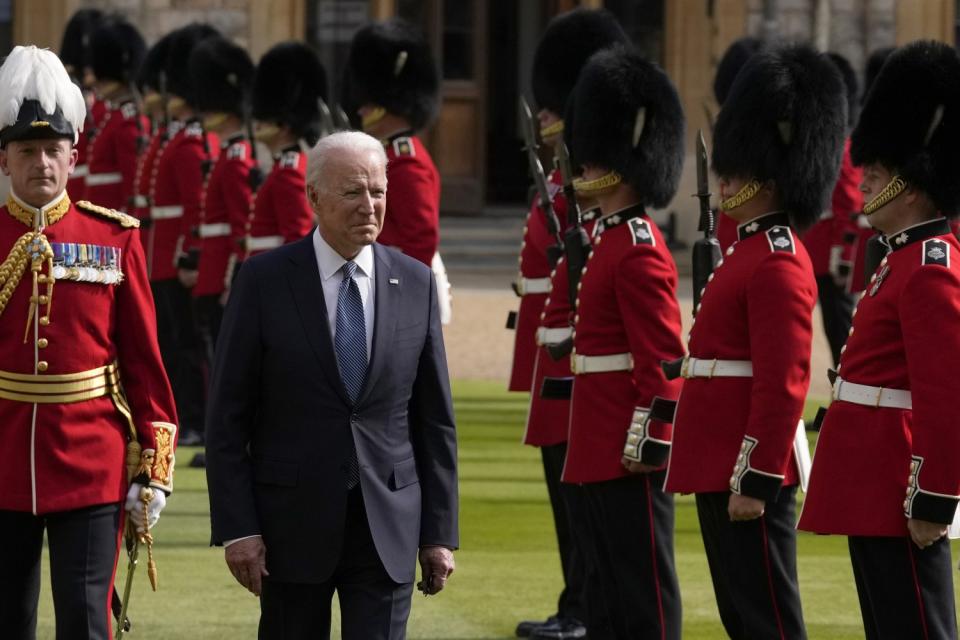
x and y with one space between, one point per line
773 593
916 586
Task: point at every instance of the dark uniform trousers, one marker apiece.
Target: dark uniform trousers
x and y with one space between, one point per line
905 591
754 567
836 308
372 605
209 315
632 535
83 547
181 350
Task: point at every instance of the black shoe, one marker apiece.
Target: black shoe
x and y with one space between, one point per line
199 461
526 628
190 438
560 629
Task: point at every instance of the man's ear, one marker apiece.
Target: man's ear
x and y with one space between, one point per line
312 195
3 162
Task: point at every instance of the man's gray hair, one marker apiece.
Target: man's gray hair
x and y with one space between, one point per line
329 146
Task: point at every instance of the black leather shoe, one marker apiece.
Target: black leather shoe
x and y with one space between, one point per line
560 629
526 628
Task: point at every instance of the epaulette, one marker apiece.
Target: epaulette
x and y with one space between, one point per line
936 251
781 239
194 130
403 146
237 151
126 221
290 160
642 234
129 110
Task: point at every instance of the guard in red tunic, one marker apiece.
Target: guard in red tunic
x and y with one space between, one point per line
289 81
628 136
776 149
175 192
885 472
566 45
222 73
392 78
76 59
85 406
117 49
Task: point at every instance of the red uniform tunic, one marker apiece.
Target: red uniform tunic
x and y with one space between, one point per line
533 283
112 156
548 421
758 307
223 215
627 305
175 198
904 337
140 200
66 456
412 221
77 184
279 211
726 230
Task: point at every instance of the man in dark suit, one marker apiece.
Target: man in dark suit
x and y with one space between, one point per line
331 446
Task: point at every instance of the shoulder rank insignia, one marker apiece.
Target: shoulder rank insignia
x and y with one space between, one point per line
781 239
129 109
290 160
642 234
936 251
194 130
404 147
126 221
237 151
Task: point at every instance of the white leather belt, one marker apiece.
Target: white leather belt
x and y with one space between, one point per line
97 179
871 396
714 368
533 285
140 201
214 230
553 336
600 364
166 213
80 171
262 243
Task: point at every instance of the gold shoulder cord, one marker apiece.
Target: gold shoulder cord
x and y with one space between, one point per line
746 193
894 188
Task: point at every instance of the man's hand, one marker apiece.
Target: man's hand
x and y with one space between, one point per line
925 533
742 508
637 467
188 277
224 297
247 560
436 565
133 504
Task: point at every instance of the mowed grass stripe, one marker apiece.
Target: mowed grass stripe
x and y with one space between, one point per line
507 570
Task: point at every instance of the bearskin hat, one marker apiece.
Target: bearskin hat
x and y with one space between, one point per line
567 43
177 69
222 75
390 65
785 120
911 121
874 64
288 83
625 115
731 63
851 84
148 78
75 45
116 50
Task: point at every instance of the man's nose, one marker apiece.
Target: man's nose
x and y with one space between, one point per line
366 202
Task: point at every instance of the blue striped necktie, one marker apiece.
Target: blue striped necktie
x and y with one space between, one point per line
350 343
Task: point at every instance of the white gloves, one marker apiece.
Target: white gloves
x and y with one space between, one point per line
135 505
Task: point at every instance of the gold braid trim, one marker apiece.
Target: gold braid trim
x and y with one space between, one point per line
126 221
554 129
746 193
28 217
592 188
894 188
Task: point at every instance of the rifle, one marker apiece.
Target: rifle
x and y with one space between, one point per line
540 180
341 119
327 125
706 250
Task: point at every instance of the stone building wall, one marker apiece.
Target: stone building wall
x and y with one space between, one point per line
154 18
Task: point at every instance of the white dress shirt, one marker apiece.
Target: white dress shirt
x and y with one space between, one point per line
329 263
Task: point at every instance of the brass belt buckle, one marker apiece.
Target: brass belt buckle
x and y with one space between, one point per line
685 368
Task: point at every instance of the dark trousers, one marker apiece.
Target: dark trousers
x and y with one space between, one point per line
372 605
571 603
753 565
83 547
181 350
905 592
632 525
209 314
836 307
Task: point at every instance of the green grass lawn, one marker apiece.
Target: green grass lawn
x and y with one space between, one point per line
507 569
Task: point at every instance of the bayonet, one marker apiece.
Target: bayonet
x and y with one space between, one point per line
706 250
326 118
536 172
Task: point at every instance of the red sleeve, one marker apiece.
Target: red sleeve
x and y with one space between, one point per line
189 159
145 382
237 194
847 200
294 215
780 298
413 209
929 317
127 139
